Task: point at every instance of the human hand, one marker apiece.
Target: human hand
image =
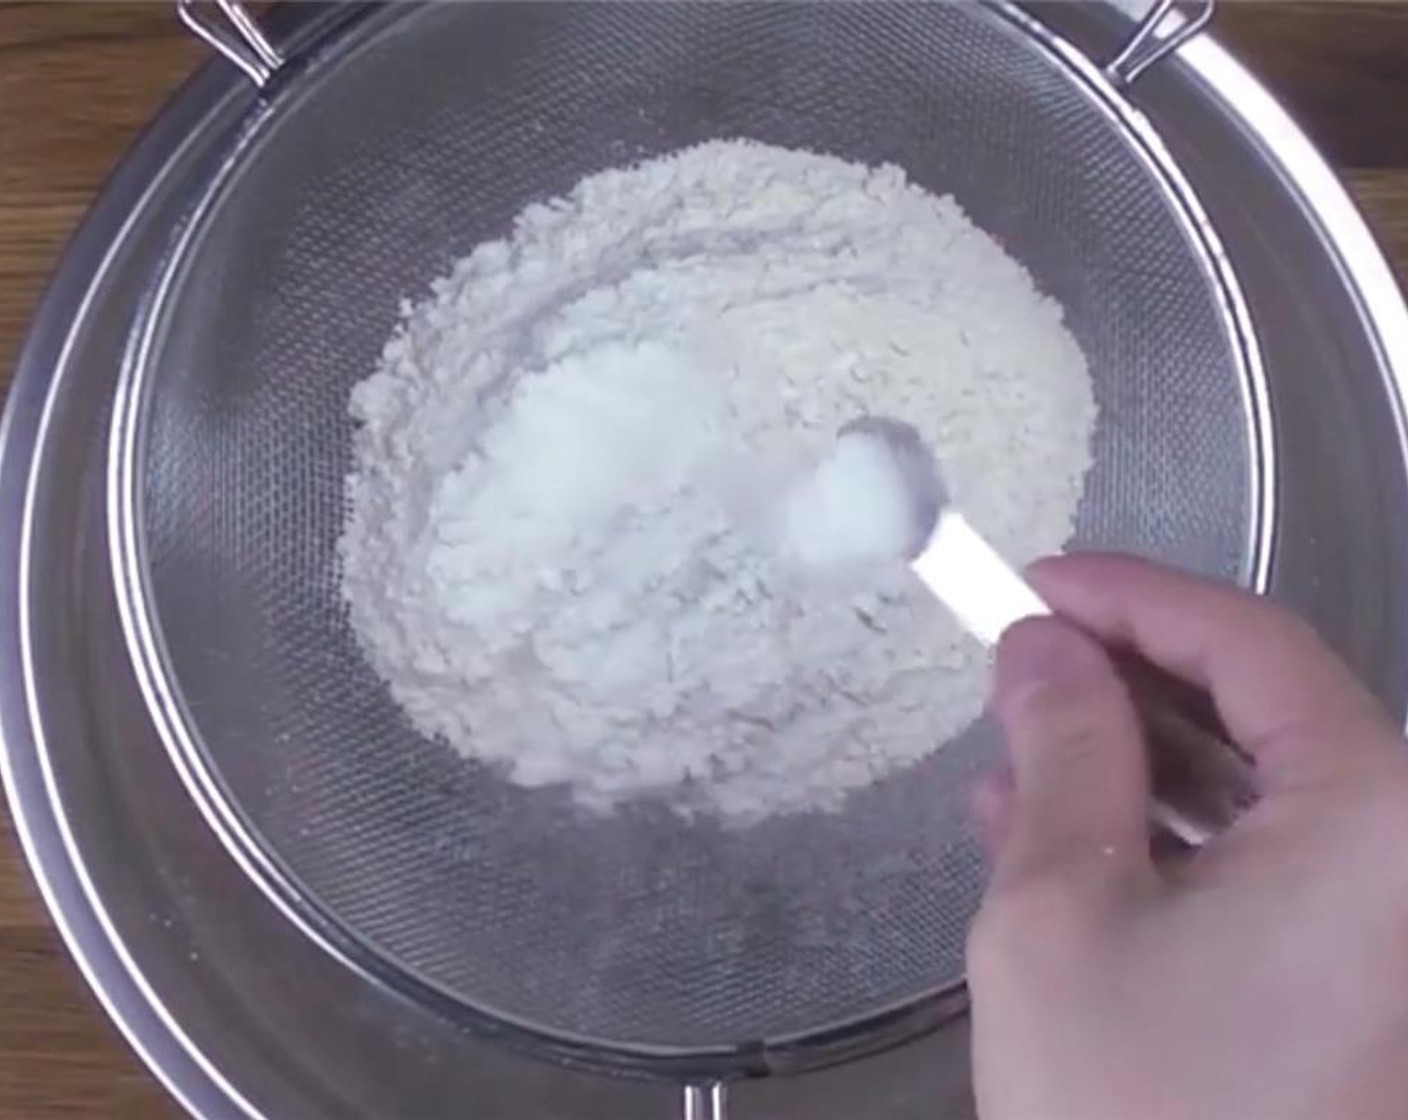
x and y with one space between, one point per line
1265 977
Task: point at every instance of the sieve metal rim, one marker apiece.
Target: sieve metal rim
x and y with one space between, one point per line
45 756
200 774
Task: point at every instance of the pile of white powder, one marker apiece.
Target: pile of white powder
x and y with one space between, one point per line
853 510
566 549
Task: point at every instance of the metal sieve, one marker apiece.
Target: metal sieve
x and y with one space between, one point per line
639 943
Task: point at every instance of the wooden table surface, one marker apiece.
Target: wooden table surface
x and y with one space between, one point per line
76 80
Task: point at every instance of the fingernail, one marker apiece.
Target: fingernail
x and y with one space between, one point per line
990 803
1039 652
1038 649
991 794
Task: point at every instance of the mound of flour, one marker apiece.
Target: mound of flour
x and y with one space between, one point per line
561 551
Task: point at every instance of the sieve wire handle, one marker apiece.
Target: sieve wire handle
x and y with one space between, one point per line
705 1102
238 37
1201 782
1164 28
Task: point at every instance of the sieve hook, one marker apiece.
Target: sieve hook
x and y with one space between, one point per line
1165 27
237 37
705 1102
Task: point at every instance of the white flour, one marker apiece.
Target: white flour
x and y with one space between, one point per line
562 548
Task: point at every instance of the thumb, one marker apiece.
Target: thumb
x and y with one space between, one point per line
1077 753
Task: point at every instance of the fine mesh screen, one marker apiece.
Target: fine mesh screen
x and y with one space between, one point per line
368 180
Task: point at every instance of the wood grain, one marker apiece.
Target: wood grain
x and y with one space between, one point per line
76 81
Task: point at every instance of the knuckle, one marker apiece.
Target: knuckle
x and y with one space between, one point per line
1380 823
1392 840
1267 618
1039 919
1289 627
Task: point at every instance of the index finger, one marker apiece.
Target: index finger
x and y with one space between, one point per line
1283 695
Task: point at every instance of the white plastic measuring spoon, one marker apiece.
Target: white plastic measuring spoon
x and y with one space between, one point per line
1201 782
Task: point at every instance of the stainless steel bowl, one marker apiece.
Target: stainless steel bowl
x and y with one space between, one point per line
238 1012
